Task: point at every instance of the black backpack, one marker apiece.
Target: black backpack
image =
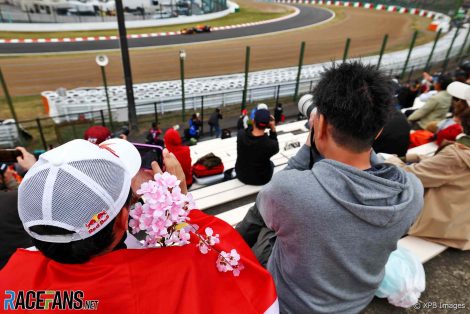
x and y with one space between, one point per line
226 134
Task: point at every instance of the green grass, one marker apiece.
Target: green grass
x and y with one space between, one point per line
244 16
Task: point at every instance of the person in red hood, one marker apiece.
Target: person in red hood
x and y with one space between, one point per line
174 144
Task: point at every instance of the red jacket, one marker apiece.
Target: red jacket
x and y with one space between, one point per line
174 144
164 280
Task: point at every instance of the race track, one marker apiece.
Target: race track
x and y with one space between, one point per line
308 16
30 75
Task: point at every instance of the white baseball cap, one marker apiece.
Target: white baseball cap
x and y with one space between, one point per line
459 90
262 106
78 186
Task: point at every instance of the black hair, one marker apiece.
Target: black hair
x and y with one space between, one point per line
75 252
465 121
355 99
444 80
154 124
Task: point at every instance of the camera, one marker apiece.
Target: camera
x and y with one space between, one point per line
306 105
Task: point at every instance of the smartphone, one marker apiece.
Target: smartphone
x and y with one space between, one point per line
149 153
9 155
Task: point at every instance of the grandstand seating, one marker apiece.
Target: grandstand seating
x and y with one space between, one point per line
8 134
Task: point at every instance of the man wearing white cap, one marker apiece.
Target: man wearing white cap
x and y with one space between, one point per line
74 204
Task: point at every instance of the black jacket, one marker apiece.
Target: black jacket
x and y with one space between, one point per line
253 164
395 137
12 234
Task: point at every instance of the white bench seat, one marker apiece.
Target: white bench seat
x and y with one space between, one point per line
423 249
234 216
427 149
225 192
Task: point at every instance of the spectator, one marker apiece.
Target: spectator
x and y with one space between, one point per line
435 108
9 179
407 94
449 128
214 122
278 113
175 145
79 231
254 150
12 233
260 106
395 136
97 134
153 136
446 178
337 222
242 123
194 124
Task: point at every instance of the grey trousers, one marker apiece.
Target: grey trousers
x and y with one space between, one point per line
257 235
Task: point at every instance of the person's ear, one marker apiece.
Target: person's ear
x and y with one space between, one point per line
322 126
122 220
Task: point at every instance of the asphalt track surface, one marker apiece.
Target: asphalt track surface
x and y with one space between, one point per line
308 16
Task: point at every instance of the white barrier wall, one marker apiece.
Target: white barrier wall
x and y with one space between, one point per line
61 27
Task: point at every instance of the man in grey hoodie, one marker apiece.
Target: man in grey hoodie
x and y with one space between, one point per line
337 222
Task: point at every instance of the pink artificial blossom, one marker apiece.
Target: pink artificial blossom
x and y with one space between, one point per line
164 217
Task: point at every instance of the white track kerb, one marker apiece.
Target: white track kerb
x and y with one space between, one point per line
160 34
227 89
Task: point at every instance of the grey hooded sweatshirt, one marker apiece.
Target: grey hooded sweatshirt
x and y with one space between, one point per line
336 226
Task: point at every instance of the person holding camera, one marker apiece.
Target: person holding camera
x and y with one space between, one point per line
336 211
255 148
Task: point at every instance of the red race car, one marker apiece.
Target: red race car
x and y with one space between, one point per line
196 29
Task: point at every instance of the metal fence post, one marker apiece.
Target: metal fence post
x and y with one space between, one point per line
202 114
411 73
74 130
428 63
382 50
247 69
346 49
446 60
102 118
155 112
277 93
41 133
463 46
299 71
412 44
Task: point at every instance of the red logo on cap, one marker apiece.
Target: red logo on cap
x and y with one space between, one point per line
109 149
97 221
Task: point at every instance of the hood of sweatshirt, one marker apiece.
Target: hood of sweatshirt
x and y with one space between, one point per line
462 149
172 138
380 195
